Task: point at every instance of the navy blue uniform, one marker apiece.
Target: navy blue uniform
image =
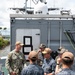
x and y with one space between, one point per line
66 72
1 73
49 65
32 69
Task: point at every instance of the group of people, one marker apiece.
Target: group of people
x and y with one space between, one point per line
40 62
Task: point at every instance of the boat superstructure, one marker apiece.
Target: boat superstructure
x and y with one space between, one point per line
35 26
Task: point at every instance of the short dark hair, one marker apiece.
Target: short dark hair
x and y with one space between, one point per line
67 61
33 59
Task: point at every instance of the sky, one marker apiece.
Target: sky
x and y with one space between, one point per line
5 6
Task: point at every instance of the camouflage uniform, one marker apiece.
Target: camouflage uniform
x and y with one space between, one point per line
15 62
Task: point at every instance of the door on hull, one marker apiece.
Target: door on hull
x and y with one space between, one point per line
34 33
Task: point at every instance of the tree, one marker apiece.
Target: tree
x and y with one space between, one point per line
5 29
0 30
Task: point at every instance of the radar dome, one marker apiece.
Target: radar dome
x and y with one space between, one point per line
41 8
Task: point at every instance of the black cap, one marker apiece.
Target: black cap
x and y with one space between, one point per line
61 50
42 46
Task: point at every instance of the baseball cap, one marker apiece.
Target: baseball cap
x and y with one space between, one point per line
33 55
47 50
42 46
68 55
19 43
61 50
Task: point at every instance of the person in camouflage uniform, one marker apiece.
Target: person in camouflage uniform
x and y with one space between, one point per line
15 60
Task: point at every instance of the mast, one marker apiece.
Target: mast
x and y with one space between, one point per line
25 5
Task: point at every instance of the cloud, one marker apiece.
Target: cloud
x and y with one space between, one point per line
4 17
1 24
5 6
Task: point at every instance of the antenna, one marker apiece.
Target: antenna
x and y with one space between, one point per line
13 3
54 4
26 5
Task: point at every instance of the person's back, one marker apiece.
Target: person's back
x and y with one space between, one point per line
66 71
33 69
73 66
67 61
60 51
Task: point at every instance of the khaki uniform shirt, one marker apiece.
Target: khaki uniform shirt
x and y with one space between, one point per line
15 62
